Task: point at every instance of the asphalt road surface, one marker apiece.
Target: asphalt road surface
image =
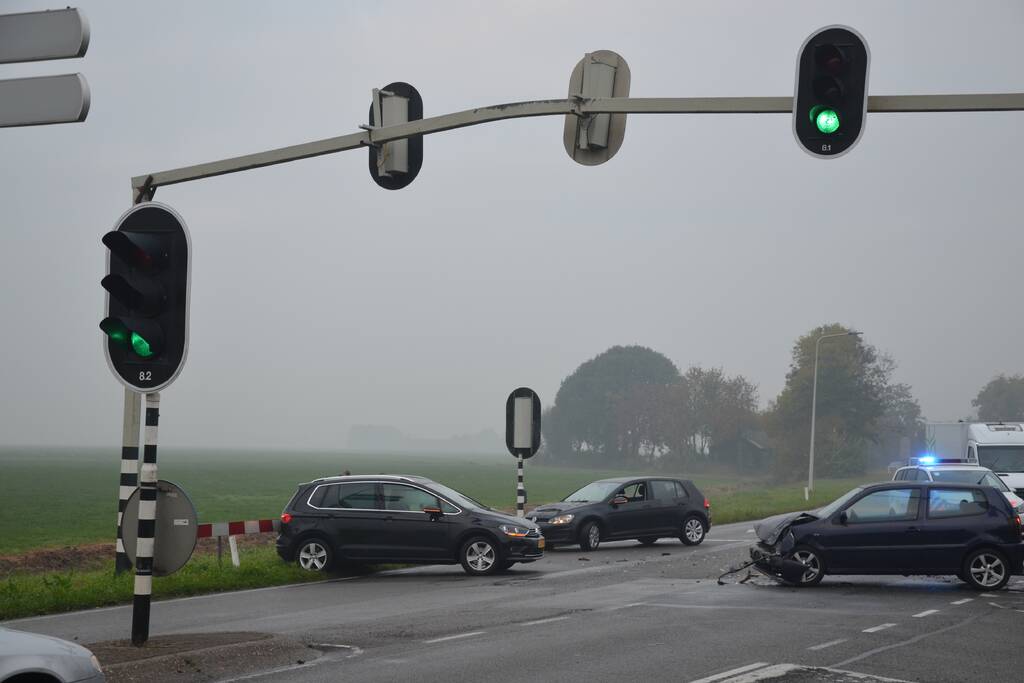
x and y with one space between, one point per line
623 612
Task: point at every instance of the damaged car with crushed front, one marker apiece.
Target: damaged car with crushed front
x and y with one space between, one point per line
897 528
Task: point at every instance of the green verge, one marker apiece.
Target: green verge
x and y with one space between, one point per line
24 595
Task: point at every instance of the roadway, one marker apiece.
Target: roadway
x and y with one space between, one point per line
622 611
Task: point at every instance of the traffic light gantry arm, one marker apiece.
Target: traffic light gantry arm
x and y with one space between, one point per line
147 183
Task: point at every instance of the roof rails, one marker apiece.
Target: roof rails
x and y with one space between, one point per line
394 477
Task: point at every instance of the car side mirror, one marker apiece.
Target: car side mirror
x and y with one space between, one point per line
433 511
620 500
843 518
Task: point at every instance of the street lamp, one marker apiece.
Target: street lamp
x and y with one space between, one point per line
814 403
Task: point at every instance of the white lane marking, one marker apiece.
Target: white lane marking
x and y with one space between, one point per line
830 643
543 621
455 637
750 531
876 629
988 595
731 672
996 604
356 651
618 607
925 613
727 540
961 602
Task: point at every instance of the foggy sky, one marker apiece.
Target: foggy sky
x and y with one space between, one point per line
320 301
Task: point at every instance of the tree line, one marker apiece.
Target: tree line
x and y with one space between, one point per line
631 406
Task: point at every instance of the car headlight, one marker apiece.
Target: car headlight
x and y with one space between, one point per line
561 519
96 663
514 530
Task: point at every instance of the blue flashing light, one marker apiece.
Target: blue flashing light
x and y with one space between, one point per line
927 460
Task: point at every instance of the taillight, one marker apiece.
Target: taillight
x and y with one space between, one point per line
285 518
707 504
1020 526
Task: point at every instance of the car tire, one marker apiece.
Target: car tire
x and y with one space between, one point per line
986 569
813 560
648 540
480 556
590 536
694 530
315 555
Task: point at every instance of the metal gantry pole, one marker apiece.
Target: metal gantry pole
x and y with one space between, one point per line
129 478
146 184
147 524
520 489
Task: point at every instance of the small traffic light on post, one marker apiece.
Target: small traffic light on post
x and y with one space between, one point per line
831 97
147 285
393 165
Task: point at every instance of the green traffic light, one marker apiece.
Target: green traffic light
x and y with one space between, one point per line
141 346
827 121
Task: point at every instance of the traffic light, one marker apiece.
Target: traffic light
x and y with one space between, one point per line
831 99
147 285
393 165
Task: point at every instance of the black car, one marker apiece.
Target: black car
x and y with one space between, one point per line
897 528
407 519
641 508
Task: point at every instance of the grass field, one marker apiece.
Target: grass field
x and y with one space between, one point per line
60 497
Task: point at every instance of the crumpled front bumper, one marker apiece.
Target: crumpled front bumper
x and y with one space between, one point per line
773 564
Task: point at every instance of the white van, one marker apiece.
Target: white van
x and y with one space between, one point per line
999 446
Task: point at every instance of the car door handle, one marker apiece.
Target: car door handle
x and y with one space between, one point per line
913 528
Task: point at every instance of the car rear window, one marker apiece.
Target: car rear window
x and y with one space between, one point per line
356 495
943 503
663 490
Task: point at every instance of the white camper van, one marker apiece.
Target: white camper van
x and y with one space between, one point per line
998 446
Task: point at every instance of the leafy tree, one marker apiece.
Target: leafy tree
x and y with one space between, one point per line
1001 399
705 408
854 394
596 416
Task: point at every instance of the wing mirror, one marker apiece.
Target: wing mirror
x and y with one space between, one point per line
620 500
843 518
432 511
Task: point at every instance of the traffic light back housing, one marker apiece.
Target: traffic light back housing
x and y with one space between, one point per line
147 284
831 93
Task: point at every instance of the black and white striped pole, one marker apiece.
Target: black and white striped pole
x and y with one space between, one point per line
520 489
522 435
129 470
147 524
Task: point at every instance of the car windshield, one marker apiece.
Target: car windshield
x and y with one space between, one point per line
458 498
592 493
829 509
983 477
1002 458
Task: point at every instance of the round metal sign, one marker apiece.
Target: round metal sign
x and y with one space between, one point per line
176 528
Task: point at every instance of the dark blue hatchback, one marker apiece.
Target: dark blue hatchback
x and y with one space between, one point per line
897 528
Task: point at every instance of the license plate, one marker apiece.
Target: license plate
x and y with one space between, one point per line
540 543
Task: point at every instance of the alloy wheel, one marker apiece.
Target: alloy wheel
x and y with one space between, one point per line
594 536
480 556
809 560
313 557
694 530
988 570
